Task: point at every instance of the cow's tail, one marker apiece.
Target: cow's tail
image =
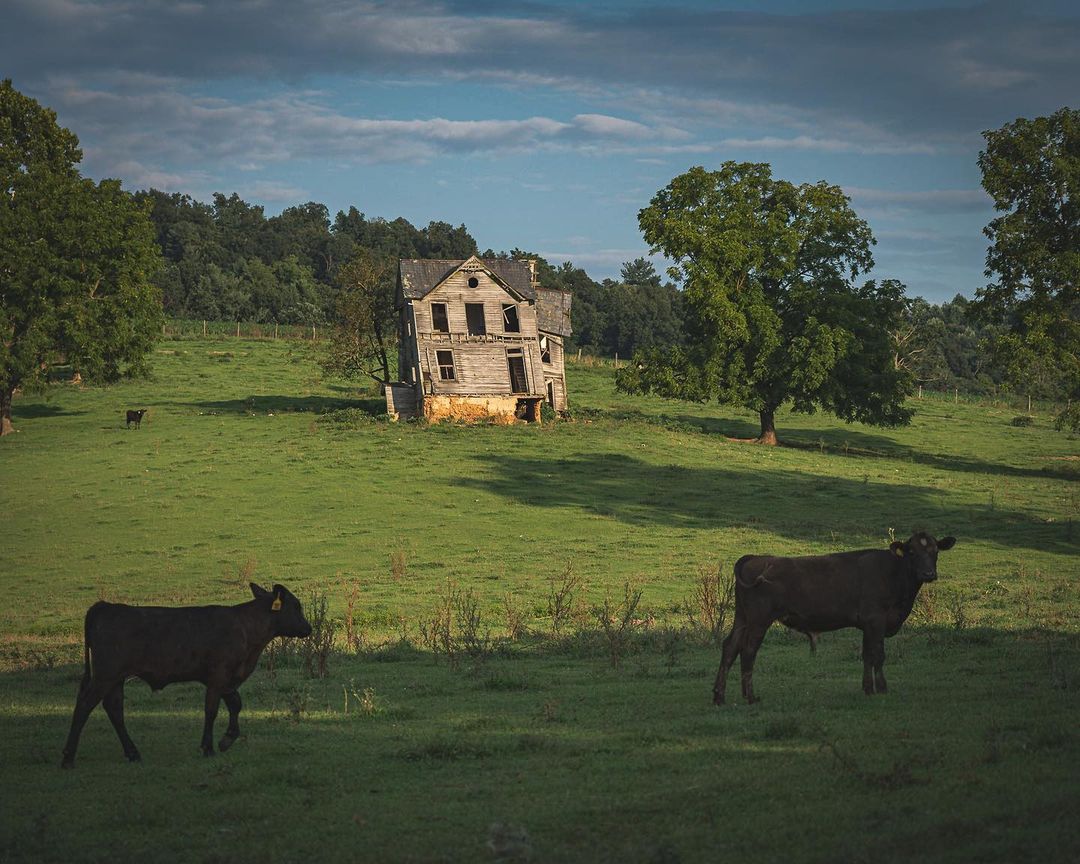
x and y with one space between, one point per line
740 578
88 670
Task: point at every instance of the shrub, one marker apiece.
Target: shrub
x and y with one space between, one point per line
1023 420
1068 418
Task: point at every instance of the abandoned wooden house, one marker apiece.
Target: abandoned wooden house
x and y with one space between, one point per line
478 339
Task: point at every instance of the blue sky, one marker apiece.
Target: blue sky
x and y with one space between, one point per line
547 125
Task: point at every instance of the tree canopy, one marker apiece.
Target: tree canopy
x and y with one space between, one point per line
1031 169
77 260
772 311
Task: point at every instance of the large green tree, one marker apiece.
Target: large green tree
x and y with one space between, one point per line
76 260
772 311
1031 168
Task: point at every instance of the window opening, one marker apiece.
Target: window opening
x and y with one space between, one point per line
551 393
439 322
474 316
473 281
445 359
519 382
510 318
545 349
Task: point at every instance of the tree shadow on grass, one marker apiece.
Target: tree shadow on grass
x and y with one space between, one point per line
39 411
850 442
290 404
793 504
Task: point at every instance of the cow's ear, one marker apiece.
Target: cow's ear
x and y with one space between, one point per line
946 543
259 593
897 548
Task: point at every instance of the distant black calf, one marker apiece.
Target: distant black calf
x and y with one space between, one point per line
872 589
216 645
135 417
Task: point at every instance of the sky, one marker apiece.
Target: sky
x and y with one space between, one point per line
546 125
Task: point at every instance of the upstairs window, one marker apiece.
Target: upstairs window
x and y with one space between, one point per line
445 359
440 323
510 318
545 349
474 316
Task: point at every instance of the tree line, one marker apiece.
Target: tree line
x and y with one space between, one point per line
226 260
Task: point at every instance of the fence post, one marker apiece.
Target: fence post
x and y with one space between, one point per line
616 359
275 330
204 329
312 332
237 329
1029 403
920 391
956 395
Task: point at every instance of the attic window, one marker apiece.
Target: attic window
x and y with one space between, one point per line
473 281
510 318
445 359
439 322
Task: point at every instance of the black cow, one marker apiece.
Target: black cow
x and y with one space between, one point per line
135 417
216 645
872 589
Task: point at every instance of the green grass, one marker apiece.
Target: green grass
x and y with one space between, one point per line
249 466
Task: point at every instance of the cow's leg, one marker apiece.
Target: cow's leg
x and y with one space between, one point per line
752 639
114 707
879 666
730 652
873 658
232 702
90 693
213 700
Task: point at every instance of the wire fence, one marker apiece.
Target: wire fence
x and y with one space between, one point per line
183 328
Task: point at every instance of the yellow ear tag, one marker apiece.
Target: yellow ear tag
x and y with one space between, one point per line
276 605
899 551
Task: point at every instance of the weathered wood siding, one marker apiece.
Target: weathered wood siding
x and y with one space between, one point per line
401 401
555 371
455 293
480 368
481 365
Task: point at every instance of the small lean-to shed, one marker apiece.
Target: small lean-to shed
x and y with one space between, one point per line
478 339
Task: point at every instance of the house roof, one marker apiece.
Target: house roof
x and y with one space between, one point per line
419 276
553 311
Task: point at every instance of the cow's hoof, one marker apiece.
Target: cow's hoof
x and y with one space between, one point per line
134 756
67 763
226 742
718 699
208 752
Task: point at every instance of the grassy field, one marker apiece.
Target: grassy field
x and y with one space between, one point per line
248 466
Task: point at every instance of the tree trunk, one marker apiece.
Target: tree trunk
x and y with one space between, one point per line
5 410
768 427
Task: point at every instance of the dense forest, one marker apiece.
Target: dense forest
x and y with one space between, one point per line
227 260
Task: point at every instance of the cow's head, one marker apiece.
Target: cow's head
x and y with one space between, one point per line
285 610
920 554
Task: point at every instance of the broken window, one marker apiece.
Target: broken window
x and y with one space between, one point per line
545 349
445 359
519 382
439 321
474 316
473 281
510 318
